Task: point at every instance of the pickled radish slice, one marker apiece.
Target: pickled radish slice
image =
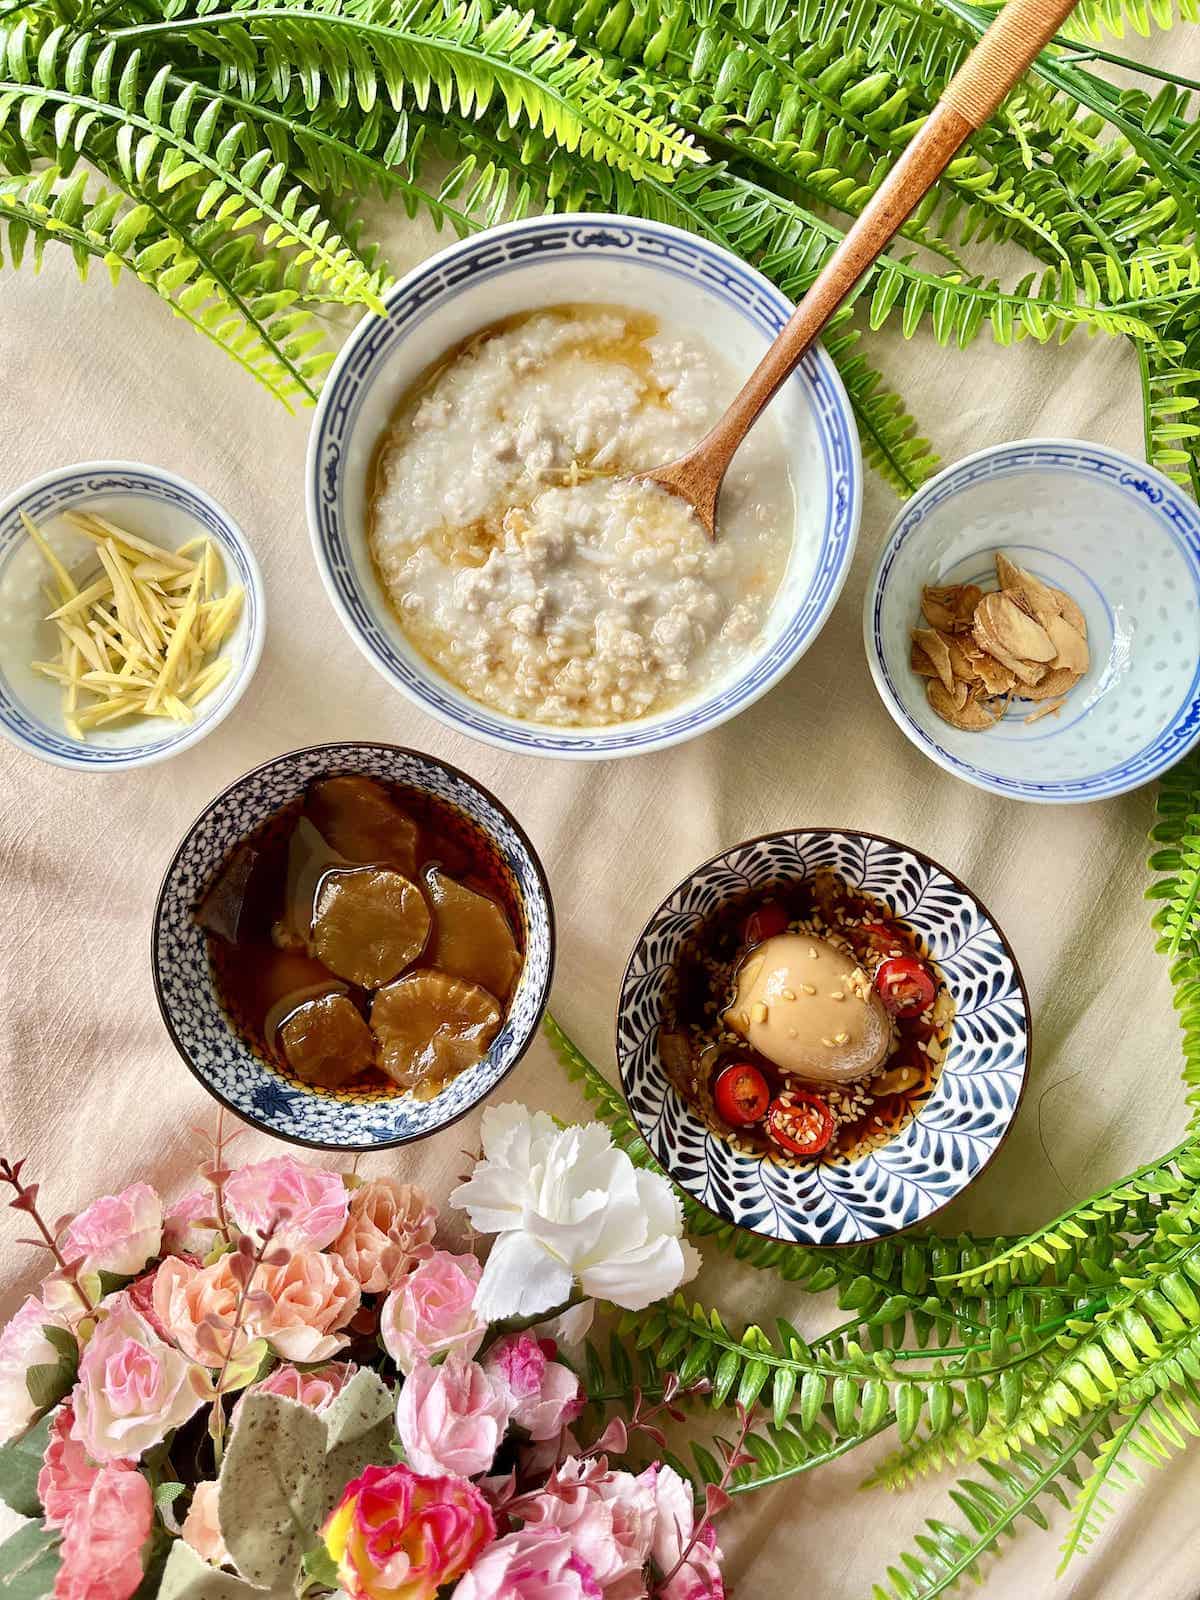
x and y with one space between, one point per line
471 936
429 1027
326 1042
361 821
370 924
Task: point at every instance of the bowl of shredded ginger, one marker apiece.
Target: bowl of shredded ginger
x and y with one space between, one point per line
131 615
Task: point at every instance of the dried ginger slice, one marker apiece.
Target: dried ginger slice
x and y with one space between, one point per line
934 647
1041 599
429 1027
970 717
1014 630
1059 680
920 662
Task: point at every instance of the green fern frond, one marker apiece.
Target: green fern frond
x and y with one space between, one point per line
456 60
59 92
207 278
991 1508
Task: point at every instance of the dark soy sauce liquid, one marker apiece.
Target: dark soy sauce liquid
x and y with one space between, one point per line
251 976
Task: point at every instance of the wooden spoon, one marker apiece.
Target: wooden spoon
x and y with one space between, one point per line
977 88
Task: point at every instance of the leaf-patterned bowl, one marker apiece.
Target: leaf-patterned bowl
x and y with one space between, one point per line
351 1119
959 1127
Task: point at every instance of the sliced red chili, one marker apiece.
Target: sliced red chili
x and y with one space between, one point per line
769 920
800 1123
740 1094
905 986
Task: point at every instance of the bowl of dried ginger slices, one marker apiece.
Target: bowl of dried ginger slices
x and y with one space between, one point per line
1033 621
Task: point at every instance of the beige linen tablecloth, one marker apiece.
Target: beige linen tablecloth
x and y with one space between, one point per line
95 1096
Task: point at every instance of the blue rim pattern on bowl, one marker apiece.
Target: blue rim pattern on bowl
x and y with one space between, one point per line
487 255
59 491
1181 521
957 1130
226 1066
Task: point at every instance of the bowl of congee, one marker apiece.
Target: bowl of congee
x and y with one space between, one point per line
476 514
823 1036
353 945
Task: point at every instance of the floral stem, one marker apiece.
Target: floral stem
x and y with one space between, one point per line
217 1426
716 1498
26 1201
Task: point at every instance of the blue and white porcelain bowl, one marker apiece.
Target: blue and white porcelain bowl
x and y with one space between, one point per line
523 266
159 506
203 1035
957 1130
1124 542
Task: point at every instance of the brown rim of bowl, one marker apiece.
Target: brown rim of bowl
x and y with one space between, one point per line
390 749
896 844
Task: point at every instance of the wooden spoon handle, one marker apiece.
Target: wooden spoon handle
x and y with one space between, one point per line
1020 30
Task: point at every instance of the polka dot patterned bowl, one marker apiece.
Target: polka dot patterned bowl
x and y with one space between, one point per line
226 1066
957 1129
1124 542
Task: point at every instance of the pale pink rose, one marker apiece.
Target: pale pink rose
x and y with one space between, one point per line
544 1396
541 1455
308 1204
312 1296
24 1345
66 1475
389 1229
185 1295
700 1577
432 1310
530 1565
202 1528
118 1233
133 1388
189 1224
316 1390
609 1518
451 1418
102 1545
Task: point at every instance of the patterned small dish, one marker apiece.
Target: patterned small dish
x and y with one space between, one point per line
957 1130
225 1065
1124 542
159 506
543 261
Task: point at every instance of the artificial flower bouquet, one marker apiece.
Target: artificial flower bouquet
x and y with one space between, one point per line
280 1386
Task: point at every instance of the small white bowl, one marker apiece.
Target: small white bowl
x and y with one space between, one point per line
1124 542
523 266
159 506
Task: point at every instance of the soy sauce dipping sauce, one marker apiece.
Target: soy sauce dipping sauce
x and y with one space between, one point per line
696 1046
263 971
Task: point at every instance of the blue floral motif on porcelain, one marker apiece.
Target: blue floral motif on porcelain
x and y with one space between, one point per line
227 1067
1124 542
539 261
161 506
957 1130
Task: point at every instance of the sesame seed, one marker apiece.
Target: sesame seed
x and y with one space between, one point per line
809 988
787 994
841 1038
837 994
813 953
758 1012
828 1043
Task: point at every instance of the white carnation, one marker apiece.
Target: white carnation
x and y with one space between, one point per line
568 1207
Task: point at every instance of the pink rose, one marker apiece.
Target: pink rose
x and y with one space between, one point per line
700 1577
389 1229
66 1475
102 1545
609 1518
544 1396
202 1528
316 1390
432 1310
24 1345
398 1536
189 1225
451 1418
308 1204
311 1297
530 1565
186 1297
133 1388
118 1233
141 1297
